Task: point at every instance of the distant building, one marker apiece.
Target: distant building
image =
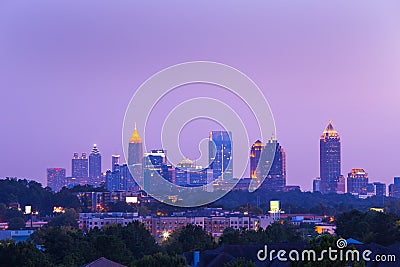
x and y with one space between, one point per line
330 162
188 174
380 189
317 185
155 163
135 155
220 154
120 178
80 168
115 161
56 178
376 189
357 182
95 167
255 154
394 189
268 161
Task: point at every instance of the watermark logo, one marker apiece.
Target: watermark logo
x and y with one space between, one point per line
341 243
235 142
333 254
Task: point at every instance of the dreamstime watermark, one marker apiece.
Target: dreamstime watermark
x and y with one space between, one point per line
339 253
164 82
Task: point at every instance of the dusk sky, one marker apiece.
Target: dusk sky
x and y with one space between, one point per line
69 68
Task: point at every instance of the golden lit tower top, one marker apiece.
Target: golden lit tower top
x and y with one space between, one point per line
135 138
330 132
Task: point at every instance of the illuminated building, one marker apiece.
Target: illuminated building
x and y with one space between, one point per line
357 181
95 166
56 178
80 168
330 161
261 166
220 154
187 173
255 154
135 155
156 162
115 161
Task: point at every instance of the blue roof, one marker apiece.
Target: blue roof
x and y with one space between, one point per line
353 241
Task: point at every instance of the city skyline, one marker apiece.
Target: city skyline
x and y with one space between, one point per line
69 88
331 179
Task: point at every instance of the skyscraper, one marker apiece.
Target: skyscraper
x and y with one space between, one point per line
115 161
56 178
330 161
255 154
220 154
95 166
156 161
135 155
80 168
357 181
380 189
261 165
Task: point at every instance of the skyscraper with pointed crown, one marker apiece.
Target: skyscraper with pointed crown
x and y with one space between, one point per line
332 181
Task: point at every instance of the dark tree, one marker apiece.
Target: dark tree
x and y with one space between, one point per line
188 238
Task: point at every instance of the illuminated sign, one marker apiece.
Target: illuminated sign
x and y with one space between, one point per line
131 199
274 205
28 209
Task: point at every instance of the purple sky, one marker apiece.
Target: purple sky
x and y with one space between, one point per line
69 68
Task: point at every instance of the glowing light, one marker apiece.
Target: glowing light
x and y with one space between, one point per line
165 234
58 209
28 209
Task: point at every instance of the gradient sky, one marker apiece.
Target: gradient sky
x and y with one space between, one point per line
69 68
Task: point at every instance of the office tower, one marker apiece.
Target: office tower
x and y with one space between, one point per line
95 166
255 154
220 154
198 176
394 189
135 155
276 177
113 180
317 185
80 168
156 162
115 161
56 179
330 161
380 189
182 172
268 161
357 181
127 181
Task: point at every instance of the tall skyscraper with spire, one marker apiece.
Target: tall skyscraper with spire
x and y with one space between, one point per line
332 181
135 155
95 166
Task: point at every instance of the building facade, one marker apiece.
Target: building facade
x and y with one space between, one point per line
80 168
56 178
95 176
332 180
268 161
357 182
135 155
220 154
